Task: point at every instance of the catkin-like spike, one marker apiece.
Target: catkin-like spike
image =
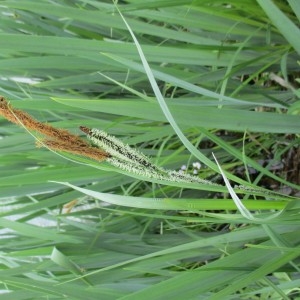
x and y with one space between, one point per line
183 177
118 149
130 160
57 139
59 145
135 169
110 148
18 116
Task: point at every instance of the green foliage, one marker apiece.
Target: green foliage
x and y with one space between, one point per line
227 83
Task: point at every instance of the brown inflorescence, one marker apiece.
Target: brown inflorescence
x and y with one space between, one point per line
59 145
18 116
57 139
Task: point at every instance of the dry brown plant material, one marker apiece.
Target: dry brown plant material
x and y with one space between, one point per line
57 139
59 145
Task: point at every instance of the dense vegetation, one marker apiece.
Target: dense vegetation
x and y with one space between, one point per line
177 80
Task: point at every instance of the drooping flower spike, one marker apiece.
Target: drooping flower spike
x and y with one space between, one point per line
108 147
54 138
131 160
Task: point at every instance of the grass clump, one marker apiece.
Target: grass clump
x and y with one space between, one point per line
176 81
